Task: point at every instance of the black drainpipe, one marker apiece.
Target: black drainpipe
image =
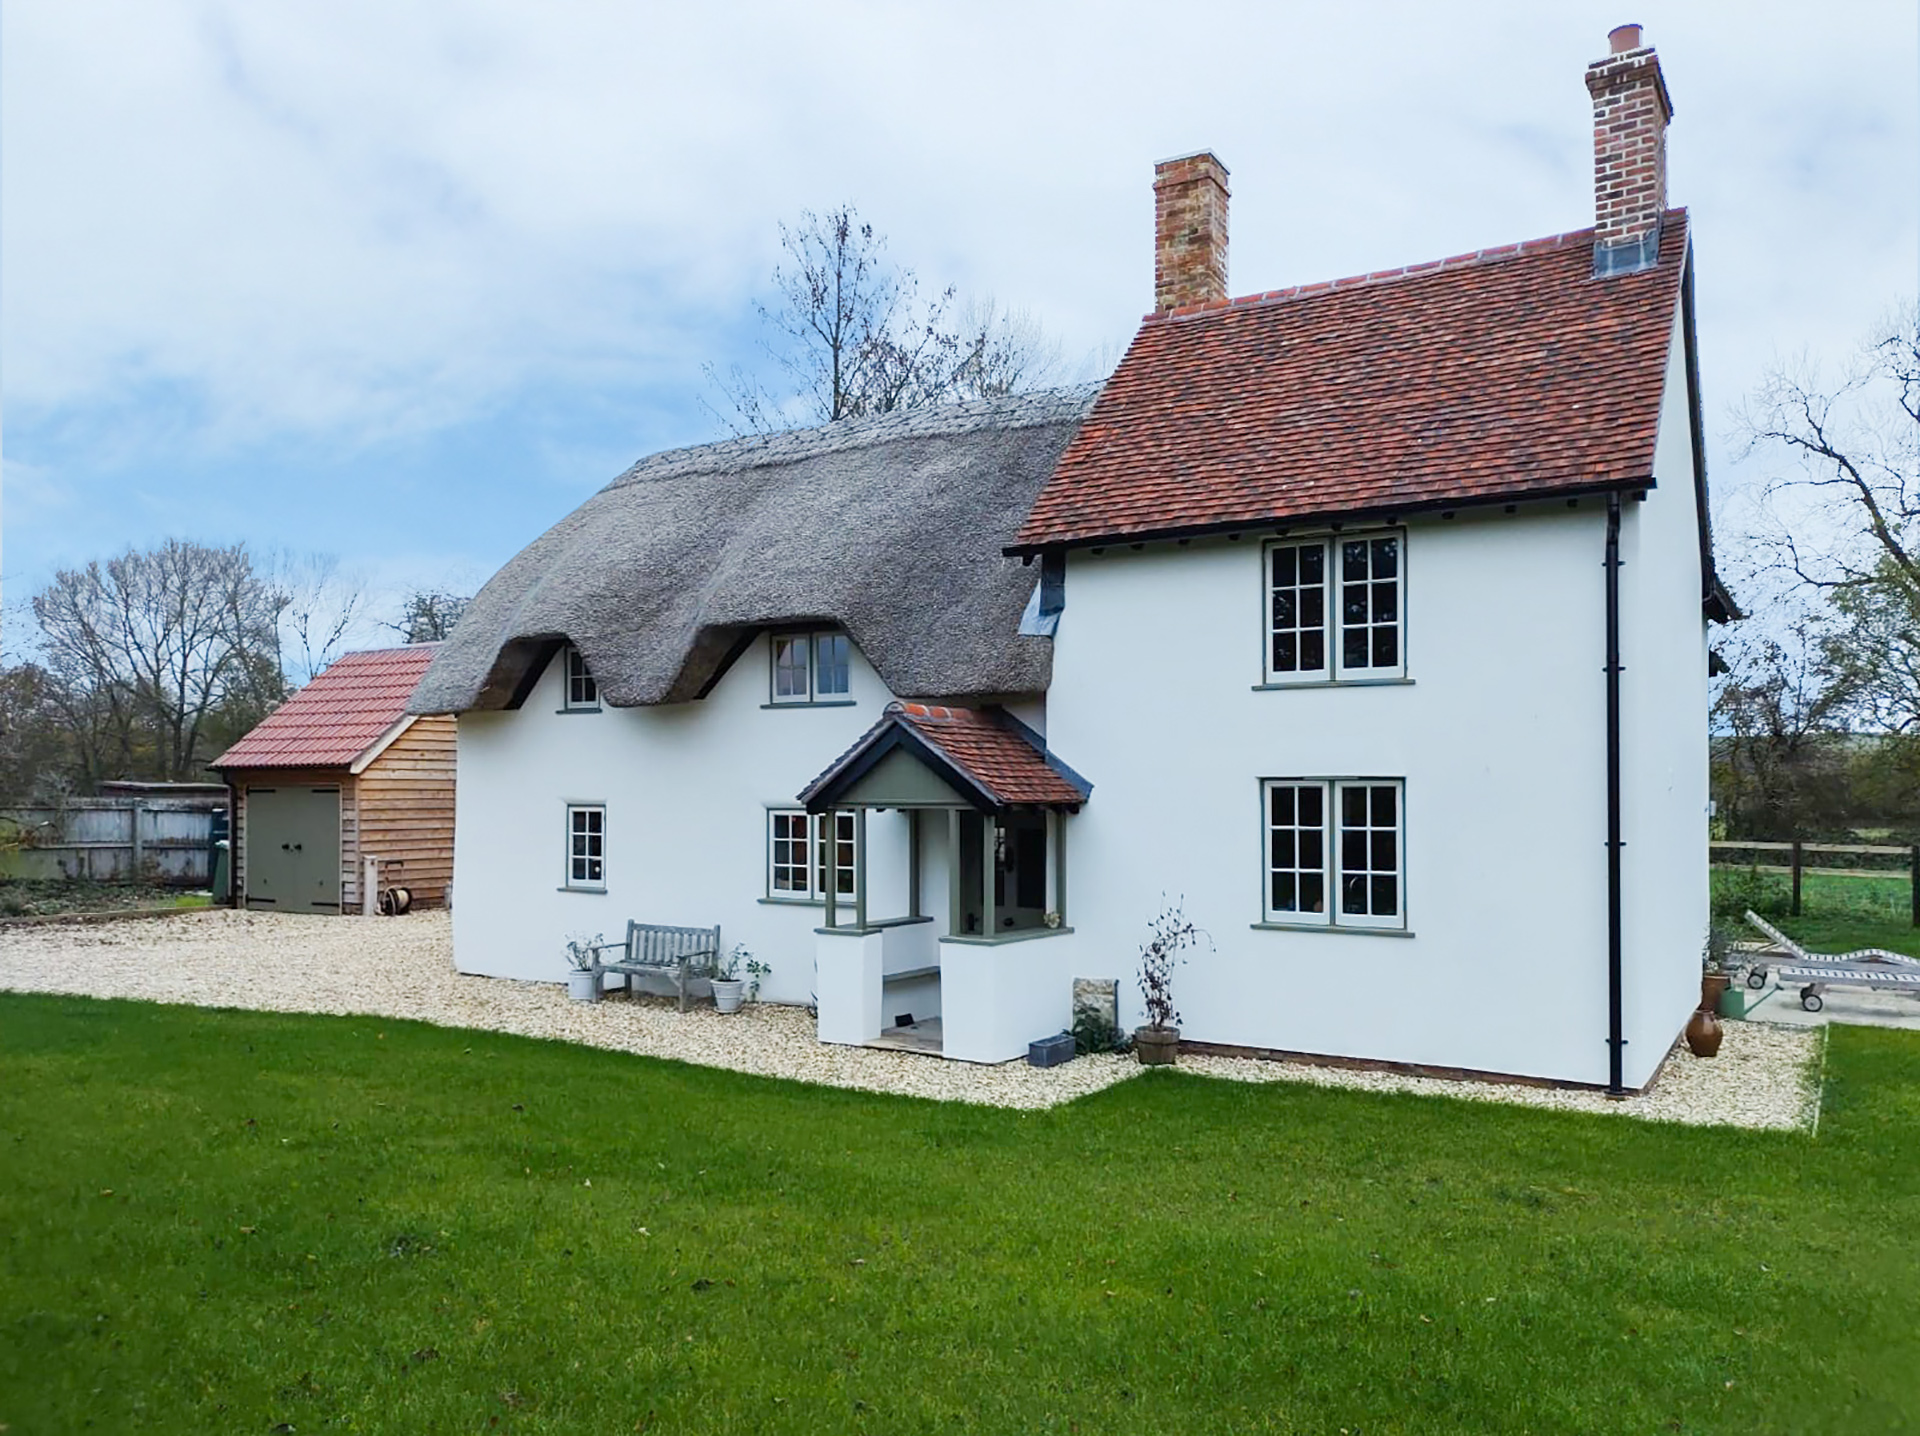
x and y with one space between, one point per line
1616 1041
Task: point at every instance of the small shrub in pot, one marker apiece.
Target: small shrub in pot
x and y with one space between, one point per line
583 977
1170 934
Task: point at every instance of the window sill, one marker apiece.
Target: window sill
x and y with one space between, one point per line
880 925
577 888
1327 927
814 703
1335 683
794 901
583 709
1018 934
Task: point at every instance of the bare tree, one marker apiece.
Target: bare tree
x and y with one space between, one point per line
1842 516
323 615
854 337
146 647
428 615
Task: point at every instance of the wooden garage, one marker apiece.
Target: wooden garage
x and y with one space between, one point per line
340 775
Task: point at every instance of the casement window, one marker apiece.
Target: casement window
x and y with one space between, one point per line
800 856
812 667
1335 852
583 694
1336 608
586 846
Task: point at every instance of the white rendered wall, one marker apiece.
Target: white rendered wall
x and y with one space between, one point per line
1664 700
1501 741
686 788
1501 738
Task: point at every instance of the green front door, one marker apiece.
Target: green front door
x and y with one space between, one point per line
293 849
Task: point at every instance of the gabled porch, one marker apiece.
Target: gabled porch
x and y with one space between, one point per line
974 968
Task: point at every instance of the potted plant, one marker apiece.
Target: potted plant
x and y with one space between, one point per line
1716 967
583 974
1169 935
729 987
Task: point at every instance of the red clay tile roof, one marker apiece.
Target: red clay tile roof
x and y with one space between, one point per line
339 715
1508 373
991 752
987 749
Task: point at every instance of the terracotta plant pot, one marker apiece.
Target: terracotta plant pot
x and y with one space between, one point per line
1712 984
1157 1046
1703 1034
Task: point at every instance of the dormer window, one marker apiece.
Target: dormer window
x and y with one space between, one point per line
583 694
812 668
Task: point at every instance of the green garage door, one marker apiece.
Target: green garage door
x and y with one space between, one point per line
293 849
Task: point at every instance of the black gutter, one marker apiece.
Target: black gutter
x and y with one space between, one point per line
1616 1040
1263 524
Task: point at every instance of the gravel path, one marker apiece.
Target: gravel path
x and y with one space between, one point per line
1763 1077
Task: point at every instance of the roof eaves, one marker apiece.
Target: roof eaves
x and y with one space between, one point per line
1051 759
1369 514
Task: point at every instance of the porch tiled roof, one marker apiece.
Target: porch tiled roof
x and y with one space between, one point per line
988 749
993 753
344 711
1506 374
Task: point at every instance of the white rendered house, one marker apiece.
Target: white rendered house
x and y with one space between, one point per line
1367 619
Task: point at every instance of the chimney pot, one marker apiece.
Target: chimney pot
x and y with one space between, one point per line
1624 38
1189 231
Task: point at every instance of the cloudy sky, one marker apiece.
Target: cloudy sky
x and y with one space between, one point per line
404 283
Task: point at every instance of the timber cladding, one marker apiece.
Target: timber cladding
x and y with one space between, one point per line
398 808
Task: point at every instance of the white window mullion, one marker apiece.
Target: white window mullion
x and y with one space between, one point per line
1371 588
1369 852
1296 857
1297 612
586 846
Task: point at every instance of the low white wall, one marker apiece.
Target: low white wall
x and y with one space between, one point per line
847 973
995 998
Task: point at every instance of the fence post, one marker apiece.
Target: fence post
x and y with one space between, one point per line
134 809
1795 909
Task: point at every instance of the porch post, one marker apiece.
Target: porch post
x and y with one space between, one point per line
913 861
1060 868
830 875
956 901
989 829
860 868
1057 863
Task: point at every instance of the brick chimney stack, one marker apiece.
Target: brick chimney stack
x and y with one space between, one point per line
1189 231
1631 110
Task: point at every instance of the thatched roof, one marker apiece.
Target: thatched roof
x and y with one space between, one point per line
891 528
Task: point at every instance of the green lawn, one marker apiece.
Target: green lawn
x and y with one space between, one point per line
1837 912
220 1221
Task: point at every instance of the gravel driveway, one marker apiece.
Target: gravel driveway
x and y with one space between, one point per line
1765 1076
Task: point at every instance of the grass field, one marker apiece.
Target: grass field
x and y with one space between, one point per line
223 1221
1837 912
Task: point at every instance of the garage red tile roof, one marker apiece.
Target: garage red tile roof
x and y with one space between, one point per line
343 712
986 748
1509 373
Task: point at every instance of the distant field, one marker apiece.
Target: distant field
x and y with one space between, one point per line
1838 911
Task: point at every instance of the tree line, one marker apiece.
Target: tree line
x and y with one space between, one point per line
149 664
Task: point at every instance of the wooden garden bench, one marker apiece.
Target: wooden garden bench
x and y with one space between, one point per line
680 954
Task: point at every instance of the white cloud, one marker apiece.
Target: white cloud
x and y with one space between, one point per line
226 223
